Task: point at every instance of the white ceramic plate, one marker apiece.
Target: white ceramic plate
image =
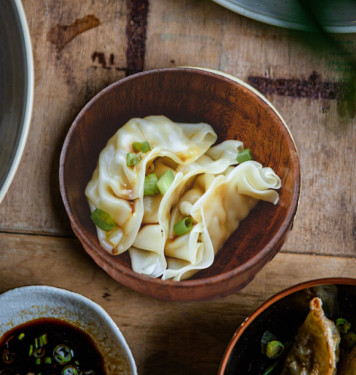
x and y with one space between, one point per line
336 16
20 305
16 89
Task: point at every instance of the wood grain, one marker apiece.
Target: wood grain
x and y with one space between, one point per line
199 33
165 337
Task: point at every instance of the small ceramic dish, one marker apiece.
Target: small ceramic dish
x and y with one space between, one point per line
21 305
235 111
282 315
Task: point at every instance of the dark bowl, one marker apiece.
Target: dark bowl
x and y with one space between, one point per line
283 314
236 111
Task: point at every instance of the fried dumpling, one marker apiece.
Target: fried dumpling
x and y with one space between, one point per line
348 364
315 350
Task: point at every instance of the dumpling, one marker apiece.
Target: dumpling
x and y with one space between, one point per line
208 188
217 204
118 189
158 211
348 364
315 350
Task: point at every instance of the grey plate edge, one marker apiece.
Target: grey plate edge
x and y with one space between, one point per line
28 100
280 23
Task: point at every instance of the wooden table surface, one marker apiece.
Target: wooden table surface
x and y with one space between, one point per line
82 46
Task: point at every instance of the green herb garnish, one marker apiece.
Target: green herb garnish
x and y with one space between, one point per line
132 159
150 184
165 181
141 146
244 155
183 226
102 220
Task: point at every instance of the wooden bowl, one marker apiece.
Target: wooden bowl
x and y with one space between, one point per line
283 314
236 111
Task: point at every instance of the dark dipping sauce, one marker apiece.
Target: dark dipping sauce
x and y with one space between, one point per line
49 346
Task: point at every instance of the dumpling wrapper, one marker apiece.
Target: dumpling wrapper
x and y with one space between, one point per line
158 211
348 364
118 189
315 350
224 201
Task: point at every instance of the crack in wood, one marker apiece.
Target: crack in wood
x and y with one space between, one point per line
136 35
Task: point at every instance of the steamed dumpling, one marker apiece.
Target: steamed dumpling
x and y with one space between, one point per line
217 204
208 187
315 350
118 189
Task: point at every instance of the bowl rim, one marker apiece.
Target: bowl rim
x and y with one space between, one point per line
270 301
90 305
184 284
28 104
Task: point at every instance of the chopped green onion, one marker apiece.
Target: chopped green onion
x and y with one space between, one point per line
266 338
270 368
348 340
48 360
102 219
38 361
62 354
69 370
132 159
165 181
183 226
36 342
7 356
274 349
39 352
150 185
244 155
21 336
30 351
343 325
141 146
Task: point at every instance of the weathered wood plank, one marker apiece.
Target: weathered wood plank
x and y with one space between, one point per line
165 337
72 68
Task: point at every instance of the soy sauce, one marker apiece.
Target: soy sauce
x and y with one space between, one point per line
48 346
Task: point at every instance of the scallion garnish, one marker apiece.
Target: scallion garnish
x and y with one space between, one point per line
165 181
48 360
62 354
44 339
343 325
69 370
30 350
38 361
244 155
266 338
274 349
150 184
21 336
132 159
183 226
36 342
102 220
270 368
141 146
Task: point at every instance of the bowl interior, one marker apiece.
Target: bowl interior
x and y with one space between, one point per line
185 95
283 318
33 302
